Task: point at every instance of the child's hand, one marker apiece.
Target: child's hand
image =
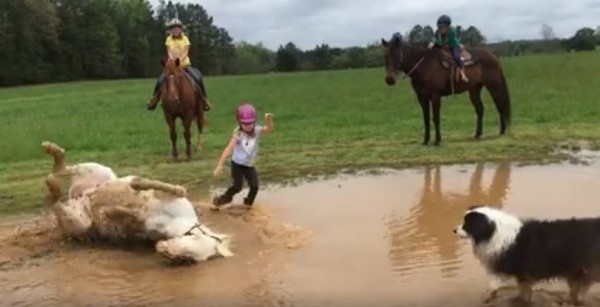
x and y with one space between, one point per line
218 171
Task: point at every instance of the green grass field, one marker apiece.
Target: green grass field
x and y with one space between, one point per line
325 122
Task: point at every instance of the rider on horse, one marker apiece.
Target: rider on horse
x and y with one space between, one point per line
178 45
446 37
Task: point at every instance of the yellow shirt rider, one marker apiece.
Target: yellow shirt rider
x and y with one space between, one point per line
178 45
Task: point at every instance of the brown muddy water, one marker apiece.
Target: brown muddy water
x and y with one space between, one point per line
357 240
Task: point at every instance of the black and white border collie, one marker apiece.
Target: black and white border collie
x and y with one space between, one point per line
531 250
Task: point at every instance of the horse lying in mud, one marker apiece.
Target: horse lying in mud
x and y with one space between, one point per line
98 204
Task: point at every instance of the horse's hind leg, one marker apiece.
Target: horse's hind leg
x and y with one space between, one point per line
52 181
500 100
173 135
58 154
141 184
436 105
475 96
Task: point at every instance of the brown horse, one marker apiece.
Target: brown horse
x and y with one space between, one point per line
181 99
434 75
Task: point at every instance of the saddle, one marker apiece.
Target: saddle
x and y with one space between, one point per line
448 58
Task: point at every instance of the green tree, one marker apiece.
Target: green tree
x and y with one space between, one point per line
132 25
582 40
416 36
251 58
288 58
472 37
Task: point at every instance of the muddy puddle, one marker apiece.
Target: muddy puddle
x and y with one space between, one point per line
358 240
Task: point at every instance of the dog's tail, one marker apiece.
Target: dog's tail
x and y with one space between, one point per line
58 154
139 183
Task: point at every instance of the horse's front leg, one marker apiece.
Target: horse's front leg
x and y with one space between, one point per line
187 134
173 135
436 103
424 102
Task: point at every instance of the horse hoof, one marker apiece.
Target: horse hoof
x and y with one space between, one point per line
437 143
477 138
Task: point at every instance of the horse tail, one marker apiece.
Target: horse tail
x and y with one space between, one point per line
505 99
501 94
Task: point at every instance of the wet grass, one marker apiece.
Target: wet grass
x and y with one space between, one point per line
325 122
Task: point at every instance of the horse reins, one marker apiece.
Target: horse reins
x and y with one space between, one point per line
414 67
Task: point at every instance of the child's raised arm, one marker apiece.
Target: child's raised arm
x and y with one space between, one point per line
268 128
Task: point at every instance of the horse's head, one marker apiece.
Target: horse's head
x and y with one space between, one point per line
173 77
393 57
196 245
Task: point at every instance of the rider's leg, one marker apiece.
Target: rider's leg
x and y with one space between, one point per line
197 76
461 65
156 94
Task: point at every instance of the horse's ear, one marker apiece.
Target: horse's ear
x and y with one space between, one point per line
162 62
177 62
384 42
397 38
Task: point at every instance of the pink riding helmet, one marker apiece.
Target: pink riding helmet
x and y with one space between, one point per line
246 114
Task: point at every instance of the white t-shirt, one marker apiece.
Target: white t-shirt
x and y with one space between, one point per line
246 148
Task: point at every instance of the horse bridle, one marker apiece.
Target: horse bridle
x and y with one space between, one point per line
197 225
399 64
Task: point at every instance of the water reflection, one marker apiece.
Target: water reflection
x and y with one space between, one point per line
424 237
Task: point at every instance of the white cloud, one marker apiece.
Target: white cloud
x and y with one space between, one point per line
345 23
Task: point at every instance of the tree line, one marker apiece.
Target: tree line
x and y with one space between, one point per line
62 40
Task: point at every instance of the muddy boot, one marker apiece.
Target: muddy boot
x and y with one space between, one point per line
151 105
220 201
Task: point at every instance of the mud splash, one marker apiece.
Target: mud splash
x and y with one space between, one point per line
40 267
382 239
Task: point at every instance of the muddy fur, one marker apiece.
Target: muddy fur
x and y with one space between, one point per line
90 201
118 211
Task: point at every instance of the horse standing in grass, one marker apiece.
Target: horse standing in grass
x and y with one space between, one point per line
434 75
181 99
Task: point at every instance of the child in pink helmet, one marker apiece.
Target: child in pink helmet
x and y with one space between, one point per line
244 147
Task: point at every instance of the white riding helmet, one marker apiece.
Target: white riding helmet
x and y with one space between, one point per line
174 23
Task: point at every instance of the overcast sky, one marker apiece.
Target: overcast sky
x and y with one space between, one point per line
343 23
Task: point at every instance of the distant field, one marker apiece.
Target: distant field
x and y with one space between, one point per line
325 122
